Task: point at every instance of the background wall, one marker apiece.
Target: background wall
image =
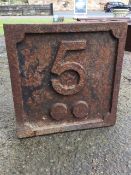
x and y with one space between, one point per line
68 4
65 4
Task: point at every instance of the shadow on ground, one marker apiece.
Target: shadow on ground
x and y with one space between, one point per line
104 151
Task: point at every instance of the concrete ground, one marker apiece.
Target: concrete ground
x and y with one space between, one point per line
104 151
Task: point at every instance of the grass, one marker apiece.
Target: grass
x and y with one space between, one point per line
14 20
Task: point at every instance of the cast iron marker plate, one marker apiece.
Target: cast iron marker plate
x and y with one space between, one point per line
65 76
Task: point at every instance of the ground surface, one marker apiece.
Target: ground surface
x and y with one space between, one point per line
105 151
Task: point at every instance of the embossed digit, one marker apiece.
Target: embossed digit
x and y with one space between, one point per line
60 67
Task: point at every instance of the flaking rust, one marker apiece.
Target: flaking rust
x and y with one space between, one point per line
99 19
65 76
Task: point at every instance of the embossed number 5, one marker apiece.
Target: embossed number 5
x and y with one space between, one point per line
59 67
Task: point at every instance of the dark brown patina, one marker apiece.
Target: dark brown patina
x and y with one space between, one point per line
128 39
65 76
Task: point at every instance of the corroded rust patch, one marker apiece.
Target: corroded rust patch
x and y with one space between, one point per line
100 19
65 76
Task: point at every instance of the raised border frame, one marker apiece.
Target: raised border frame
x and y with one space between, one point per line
15 34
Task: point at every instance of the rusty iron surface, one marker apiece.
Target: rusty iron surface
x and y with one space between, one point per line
65 76
115 19
128 39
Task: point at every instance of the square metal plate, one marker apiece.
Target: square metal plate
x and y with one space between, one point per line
65 76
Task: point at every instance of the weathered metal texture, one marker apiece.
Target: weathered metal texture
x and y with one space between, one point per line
128 39
115 19
65 76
